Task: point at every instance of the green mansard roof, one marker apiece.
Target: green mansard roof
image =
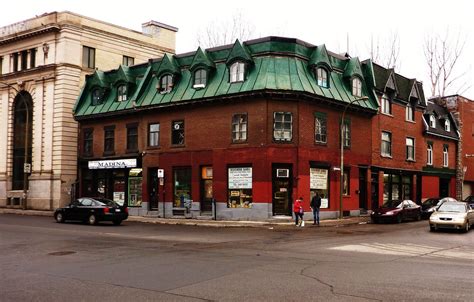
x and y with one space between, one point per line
278 65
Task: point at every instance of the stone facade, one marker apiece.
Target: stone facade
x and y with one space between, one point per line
43 58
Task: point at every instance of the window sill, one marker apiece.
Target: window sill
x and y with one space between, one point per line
386 156
387 114
133 151
411 160
282 141
321 144
408 121
178 146
109 153
153 147
239 142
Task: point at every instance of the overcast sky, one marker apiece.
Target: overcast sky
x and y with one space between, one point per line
317 22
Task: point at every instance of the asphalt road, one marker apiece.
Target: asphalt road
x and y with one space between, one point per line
41 260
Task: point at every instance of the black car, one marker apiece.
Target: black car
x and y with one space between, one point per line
470 201
92 211
429 206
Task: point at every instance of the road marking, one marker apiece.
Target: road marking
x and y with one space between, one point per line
406 250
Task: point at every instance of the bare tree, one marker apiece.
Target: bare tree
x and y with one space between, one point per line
442 54
226 32
387 51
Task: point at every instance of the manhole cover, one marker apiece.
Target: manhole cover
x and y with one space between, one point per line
61 253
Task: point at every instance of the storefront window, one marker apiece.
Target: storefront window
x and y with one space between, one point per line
319 184
135 187
239 187
182 186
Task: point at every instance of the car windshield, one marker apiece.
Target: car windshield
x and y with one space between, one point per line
451 207
431 202
392 204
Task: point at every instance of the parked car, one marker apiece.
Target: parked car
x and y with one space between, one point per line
431 204
452 215
470 201
396 211
92 211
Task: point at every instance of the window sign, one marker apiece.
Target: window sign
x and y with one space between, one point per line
319 184
240 178
240 187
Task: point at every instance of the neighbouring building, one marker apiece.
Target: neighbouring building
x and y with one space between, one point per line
248 128
462 109
43 63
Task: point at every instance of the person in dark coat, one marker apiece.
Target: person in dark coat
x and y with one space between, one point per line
315 205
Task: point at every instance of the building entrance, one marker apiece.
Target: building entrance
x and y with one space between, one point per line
282 189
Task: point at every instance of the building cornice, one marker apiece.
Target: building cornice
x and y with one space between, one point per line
29 34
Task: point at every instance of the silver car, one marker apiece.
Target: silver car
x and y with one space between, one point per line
452 215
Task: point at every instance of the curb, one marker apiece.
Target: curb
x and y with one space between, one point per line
208 223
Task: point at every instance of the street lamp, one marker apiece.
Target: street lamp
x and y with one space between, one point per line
26 166
342 127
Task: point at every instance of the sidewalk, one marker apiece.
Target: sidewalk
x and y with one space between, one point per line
212 223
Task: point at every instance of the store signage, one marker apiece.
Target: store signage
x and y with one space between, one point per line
113 164
240 178
318 179
161 173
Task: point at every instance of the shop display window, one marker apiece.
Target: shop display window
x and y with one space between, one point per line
181 187
135 187
239 187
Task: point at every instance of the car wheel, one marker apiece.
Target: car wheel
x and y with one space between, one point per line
466 228
92 219
418 217
432 228
59 217
117 222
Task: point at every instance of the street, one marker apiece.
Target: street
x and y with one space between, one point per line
45 261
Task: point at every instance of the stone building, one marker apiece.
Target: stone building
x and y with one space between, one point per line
43 63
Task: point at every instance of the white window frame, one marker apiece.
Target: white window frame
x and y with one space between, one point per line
432 121
357 87
154 136
447 125
200 78
410 144
386 105
282 133
429 155
445 156
384 142
322 76
165 85
122 91
409 113
239 127
237 72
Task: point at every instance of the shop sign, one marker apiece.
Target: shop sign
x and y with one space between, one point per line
113 164
318 179
161 173
240 178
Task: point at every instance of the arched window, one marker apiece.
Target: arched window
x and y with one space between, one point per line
237 71
200 78
447 126
166 83
432 121
97 96
322 77
22 134
122 92
356 87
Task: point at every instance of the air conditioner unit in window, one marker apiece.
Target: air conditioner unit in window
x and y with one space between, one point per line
283 173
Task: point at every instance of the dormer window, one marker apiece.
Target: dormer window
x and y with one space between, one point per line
237 70
432 121
166 84
97 96
356 87
322 77
122 92
200 78
447 126
409 113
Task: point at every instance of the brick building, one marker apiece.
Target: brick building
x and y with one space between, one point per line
251 126
43 63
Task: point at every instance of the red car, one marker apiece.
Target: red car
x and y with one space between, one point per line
396 211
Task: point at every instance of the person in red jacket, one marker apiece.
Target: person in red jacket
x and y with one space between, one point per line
298 210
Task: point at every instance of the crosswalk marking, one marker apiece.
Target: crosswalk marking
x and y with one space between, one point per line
406 250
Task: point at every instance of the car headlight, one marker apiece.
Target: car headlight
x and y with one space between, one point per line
390 213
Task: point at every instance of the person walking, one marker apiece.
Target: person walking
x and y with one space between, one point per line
316 205
298 210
